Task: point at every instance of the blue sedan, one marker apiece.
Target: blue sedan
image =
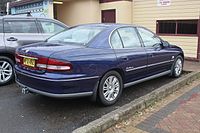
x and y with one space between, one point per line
96 60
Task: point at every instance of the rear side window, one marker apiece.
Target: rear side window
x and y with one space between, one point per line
116 41
129 37
20 26
1 26
51 27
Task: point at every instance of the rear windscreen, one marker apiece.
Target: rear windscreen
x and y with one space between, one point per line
80 35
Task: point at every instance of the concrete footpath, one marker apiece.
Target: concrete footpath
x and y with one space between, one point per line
191 66
177 113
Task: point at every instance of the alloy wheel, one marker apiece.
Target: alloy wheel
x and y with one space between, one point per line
111 88
178 67
6 71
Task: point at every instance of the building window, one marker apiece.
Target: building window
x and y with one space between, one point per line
177 27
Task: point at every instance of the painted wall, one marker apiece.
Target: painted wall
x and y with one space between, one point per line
38 9
189 44
79 12
123 10
146 13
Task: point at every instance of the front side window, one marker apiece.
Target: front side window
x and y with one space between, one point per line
116 41
129 37
50 27
20 26
80 35
149 39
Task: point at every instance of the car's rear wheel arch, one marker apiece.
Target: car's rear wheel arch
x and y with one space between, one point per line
117 73
118 70
8 55
95 91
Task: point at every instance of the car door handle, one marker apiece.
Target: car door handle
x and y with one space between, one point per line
125 58
151 55
11 39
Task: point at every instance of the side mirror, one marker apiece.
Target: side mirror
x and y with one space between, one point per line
165 44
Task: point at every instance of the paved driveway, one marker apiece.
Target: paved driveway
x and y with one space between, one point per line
30 113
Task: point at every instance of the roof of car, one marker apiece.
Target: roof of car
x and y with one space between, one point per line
113 25
29 17
20 17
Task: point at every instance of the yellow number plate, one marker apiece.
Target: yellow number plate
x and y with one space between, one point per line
29 62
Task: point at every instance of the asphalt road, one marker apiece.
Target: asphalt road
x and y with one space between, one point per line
29 113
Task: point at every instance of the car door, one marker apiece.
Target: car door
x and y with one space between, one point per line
50 28
130 53
160 59
19 32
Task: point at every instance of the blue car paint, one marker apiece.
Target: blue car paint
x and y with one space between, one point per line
126 58
91 62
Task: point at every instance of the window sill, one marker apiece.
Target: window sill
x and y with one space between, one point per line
188 35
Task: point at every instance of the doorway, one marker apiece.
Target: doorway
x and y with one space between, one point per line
108 16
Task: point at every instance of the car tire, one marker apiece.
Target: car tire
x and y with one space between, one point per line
177 67
110 88
6 70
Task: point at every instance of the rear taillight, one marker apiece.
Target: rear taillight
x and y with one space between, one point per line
43 63
58 65
53 65
18 58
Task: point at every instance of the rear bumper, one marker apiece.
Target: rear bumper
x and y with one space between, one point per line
83 94
55 87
